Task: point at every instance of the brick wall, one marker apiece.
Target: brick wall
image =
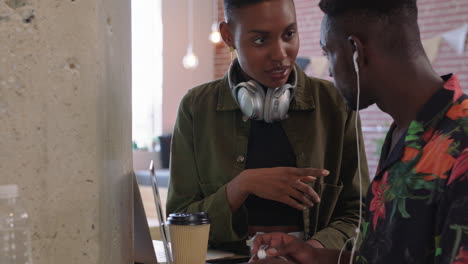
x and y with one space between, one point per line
435 17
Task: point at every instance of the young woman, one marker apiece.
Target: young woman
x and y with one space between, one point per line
266 148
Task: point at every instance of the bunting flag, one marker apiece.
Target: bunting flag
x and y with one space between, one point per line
319 65
431 46
456 38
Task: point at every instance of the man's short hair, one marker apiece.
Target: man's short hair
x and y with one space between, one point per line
389 19
385 8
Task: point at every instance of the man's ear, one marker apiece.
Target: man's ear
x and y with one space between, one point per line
225 30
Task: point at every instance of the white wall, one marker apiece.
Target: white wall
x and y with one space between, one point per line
146 71
176 79
65 115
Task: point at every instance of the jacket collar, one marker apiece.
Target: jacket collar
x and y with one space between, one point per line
302 101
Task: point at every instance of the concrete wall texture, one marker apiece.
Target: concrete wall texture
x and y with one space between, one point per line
65 133
435 17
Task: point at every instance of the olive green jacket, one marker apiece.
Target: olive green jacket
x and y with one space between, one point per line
209 148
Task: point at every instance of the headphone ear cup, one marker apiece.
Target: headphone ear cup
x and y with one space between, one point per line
250 97
277 103
355 58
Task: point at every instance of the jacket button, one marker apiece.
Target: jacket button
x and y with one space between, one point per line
240 159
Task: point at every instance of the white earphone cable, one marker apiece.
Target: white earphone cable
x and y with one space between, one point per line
358 229
355 239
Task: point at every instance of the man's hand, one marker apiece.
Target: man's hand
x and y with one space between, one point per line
296 250
272 240
281 244
287 185
271 261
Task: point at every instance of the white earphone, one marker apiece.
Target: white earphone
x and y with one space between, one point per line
255 103
355 57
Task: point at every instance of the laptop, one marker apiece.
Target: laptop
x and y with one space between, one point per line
148 251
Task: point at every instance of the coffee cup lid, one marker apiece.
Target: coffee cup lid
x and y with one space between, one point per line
200 218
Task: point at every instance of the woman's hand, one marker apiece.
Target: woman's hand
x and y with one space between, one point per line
287 185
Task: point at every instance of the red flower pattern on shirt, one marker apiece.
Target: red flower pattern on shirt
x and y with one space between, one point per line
453 84
460 168
462 257
436 159
377 205
458 111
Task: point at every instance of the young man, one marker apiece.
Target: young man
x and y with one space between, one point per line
253 149
418 201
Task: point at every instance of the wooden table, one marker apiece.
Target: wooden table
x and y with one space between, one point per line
150 208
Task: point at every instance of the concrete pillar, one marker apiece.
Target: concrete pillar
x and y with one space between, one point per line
65 125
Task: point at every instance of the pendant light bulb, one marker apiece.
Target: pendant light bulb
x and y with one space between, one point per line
190 60
215 36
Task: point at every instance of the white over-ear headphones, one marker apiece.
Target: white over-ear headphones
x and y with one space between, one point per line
255 104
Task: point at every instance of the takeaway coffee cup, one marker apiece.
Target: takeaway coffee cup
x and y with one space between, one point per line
189 237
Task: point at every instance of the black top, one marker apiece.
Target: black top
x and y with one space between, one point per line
269 147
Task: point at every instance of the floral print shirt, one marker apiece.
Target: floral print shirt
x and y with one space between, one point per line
418 201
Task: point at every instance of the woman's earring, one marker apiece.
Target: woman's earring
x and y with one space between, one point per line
232 51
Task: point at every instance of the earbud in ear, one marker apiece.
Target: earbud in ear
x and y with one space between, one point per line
355 57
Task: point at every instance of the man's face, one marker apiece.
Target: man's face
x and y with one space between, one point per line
341 67
266 39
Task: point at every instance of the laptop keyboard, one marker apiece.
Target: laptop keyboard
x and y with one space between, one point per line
159 249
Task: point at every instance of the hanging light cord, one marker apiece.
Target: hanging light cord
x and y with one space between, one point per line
215 12
190 23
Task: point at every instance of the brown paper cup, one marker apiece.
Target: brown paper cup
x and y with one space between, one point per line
189 243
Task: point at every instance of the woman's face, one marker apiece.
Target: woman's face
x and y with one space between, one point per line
266 40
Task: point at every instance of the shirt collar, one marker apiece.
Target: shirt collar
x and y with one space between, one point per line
450 93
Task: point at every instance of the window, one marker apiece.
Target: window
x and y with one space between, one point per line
146 72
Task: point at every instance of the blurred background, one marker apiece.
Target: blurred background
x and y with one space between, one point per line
158 60
443 24
89 92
